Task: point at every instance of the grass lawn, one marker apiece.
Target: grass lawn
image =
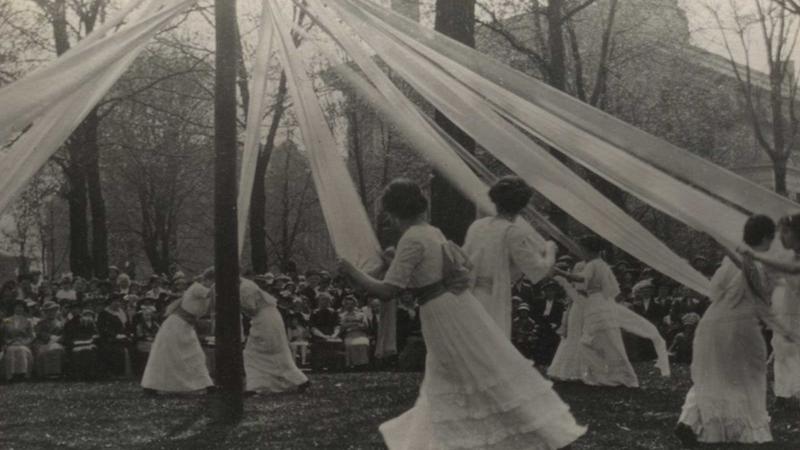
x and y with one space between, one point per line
340 411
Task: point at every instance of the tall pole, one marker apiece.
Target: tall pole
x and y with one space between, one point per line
226 255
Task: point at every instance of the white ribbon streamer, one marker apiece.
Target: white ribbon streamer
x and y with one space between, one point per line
348 223
25 99
681 164
28 154
255 111
478 118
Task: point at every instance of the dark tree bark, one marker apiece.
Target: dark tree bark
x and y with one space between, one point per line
450 211
557 77
82 169
99 244
80 262
230 369
258 199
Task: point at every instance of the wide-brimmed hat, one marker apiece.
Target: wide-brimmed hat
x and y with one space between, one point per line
50 305
644 284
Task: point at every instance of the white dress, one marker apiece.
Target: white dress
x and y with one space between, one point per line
501 252
478 390
176 362
728 399
593 351
578 357
268 361
786 354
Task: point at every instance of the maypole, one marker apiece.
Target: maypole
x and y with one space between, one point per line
226 255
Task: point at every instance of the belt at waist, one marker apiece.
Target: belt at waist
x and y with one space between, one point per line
427 293
187 317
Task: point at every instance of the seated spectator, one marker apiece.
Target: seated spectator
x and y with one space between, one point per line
123 284
325 342
144 335
113 340
353 327
680 349
525 332
66 292
48 351
80 333
298 311
17 333
298 335
157 287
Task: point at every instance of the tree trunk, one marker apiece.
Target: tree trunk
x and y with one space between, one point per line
779 174
557 77
99 244
450 211
80 261
230 368
357 151
258 199
75 171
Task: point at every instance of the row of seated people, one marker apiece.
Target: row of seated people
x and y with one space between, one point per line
87 341
330 338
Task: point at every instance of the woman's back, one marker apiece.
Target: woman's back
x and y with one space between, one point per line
418 260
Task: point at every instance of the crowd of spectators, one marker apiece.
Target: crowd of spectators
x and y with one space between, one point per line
91 329
88 329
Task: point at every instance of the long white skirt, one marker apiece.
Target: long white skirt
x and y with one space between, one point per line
176 362
478 390
593 351
18 360
728 401
786 354
268 360
568 363
500 310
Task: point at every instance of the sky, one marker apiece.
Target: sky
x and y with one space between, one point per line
706 33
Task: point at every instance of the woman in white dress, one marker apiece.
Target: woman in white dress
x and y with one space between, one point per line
576 352
176 362
728 399
504 247
268 361
786 307
603 360
568 363
478 390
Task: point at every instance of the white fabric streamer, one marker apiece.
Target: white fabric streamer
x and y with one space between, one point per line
27 98
478 118
426 137
348 223
255 111
684 202
679 163
28 154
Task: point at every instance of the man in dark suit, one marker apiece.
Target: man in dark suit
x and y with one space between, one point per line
548 312
645 304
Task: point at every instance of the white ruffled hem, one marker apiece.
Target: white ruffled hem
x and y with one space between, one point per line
725 421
